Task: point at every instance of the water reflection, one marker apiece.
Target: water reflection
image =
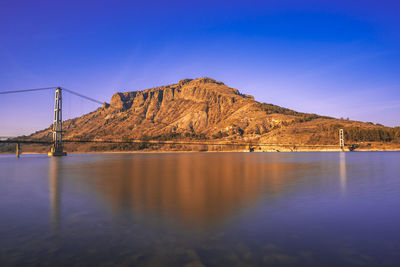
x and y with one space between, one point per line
196 189
222 209
343 176
54 190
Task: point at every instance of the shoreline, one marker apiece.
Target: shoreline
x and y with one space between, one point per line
233 151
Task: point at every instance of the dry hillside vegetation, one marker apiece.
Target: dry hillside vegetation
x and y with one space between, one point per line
205 109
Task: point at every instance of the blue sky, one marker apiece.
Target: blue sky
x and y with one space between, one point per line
335 58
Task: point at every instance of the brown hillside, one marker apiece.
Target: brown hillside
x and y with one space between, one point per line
207 109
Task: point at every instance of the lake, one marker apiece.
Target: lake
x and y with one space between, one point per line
201 209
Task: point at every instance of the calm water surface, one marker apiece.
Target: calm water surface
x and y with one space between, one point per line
194 209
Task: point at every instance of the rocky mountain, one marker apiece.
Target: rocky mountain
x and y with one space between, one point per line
200 109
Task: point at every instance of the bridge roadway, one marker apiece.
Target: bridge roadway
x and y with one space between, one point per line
156 142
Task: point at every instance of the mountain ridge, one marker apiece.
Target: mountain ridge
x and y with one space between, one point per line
206 109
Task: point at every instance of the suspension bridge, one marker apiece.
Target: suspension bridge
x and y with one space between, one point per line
57 142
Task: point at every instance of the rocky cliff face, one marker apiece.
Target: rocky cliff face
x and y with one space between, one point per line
200 107
203 109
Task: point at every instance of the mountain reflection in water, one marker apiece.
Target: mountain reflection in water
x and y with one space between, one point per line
196 190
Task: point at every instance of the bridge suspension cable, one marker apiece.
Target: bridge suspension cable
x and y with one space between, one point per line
83 96
26 90
49 88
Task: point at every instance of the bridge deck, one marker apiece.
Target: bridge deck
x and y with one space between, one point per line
45 142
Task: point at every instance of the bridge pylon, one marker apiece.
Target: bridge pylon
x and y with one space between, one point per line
57 147
341 139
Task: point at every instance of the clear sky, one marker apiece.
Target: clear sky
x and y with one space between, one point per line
335 58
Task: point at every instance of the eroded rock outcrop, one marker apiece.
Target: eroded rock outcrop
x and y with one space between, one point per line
204 109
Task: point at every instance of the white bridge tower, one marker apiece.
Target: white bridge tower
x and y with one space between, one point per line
57 148
341 139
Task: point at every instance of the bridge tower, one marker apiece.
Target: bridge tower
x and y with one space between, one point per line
57 148
341 139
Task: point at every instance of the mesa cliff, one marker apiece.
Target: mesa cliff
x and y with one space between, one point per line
206 109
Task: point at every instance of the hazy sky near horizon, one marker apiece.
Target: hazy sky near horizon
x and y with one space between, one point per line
335 58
